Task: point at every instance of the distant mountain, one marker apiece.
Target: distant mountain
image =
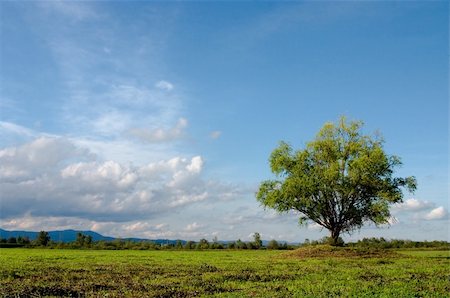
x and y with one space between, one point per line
57 236
71 235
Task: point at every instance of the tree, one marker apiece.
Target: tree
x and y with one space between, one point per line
178 244
330 241
88 240
203 244
83 240
240 244
341 180
43 238
80 239
257 240
189 245
215 244
273 244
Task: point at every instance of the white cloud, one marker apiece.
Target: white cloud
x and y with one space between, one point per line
8 127
18 164
109 173
53 177
36 223
164 85
186 199
161 134
134 228
215 134
437 213
193 227
196 165
421 210
413 205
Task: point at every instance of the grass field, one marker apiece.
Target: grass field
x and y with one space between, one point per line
45 272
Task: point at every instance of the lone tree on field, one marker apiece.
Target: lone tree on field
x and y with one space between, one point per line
341 180
257 240
43 238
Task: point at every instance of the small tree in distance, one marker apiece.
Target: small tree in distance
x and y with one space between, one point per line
43 238
80 239
257 240
341 180
273 244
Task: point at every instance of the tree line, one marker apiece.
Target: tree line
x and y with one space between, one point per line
396 243
86 242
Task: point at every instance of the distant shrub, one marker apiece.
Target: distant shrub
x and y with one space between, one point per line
273 244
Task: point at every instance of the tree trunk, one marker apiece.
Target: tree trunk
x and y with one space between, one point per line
335 237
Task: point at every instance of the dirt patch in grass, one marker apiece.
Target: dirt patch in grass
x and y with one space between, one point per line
326 251
48 291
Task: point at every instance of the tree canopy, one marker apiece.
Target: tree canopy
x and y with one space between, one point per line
43 238
341 180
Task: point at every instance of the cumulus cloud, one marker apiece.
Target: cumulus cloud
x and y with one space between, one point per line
164 85
26 162
143 226
421 210
53 177
437 213
413 205
196 165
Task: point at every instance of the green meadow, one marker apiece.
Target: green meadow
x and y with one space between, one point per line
221 273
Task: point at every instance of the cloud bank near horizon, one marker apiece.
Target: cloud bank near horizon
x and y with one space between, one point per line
53 177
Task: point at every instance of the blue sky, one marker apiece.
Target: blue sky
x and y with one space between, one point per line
156 119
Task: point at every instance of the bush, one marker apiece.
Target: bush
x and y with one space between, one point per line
273 244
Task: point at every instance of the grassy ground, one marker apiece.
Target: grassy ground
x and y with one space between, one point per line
44 272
